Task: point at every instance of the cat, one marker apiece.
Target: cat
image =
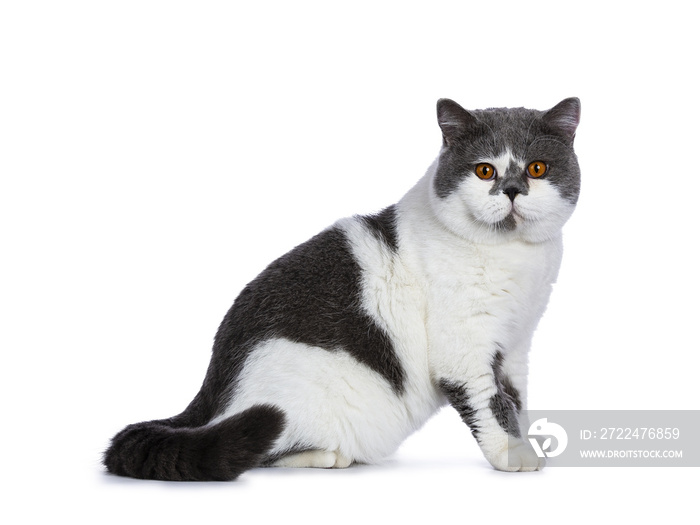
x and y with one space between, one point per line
346 345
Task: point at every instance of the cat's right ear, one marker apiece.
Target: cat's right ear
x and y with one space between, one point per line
454 120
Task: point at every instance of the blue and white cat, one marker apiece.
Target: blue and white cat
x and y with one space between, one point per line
344 346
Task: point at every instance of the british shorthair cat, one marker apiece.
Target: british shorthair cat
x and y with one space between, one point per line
347 344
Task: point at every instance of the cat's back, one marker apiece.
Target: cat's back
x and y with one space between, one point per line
314 295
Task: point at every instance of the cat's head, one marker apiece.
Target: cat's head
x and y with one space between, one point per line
506 174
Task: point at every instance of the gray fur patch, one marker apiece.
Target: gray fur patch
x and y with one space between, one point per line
311 295
514 177
506 404
457 396
383 227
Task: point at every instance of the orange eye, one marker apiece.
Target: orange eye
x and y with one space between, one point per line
536 169
485 171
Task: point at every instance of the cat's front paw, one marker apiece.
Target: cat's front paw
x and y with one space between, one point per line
519 456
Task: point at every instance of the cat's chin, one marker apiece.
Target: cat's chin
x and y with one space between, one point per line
491 232
513 227
517 223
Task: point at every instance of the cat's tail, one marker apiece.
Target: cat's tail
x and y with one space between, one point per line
154 450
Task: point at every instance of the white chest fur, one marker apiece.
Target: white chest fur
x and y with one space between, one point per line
501 276
477 296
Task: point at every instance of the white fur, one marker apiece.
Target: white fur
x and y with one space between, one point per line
455 289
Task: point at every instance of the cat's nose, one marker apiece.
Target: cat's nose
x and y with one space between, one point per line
511 192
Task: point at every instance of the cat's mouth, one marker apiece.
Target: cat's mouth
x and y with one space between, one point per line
502 217
507 224
512 218
515 213
524 214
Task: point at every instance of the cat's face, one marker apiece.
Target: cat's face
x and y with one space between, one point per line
506 174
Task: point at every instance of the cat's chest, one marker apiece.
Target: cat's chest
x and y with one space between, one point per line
499 280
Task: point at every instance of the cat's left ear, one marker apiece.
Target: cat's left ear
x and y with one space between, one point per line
564 118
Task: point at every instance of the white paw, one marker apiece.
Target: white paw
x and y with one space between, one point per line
341 461
314 459
519 456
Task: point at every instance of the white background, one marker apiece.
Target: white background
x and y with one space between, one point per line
155 156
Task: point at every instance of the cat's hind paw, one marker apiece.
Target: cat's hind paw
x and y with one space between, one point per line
314 459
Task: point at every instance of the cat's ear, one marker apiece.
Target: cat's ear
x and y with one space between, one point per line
454 120
564 118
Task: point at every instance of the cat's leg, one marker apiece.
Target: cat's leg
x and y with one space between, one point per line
489 403
513 373
314 459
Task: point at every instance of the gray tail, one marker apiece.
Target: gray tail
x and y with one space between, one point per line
220 452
